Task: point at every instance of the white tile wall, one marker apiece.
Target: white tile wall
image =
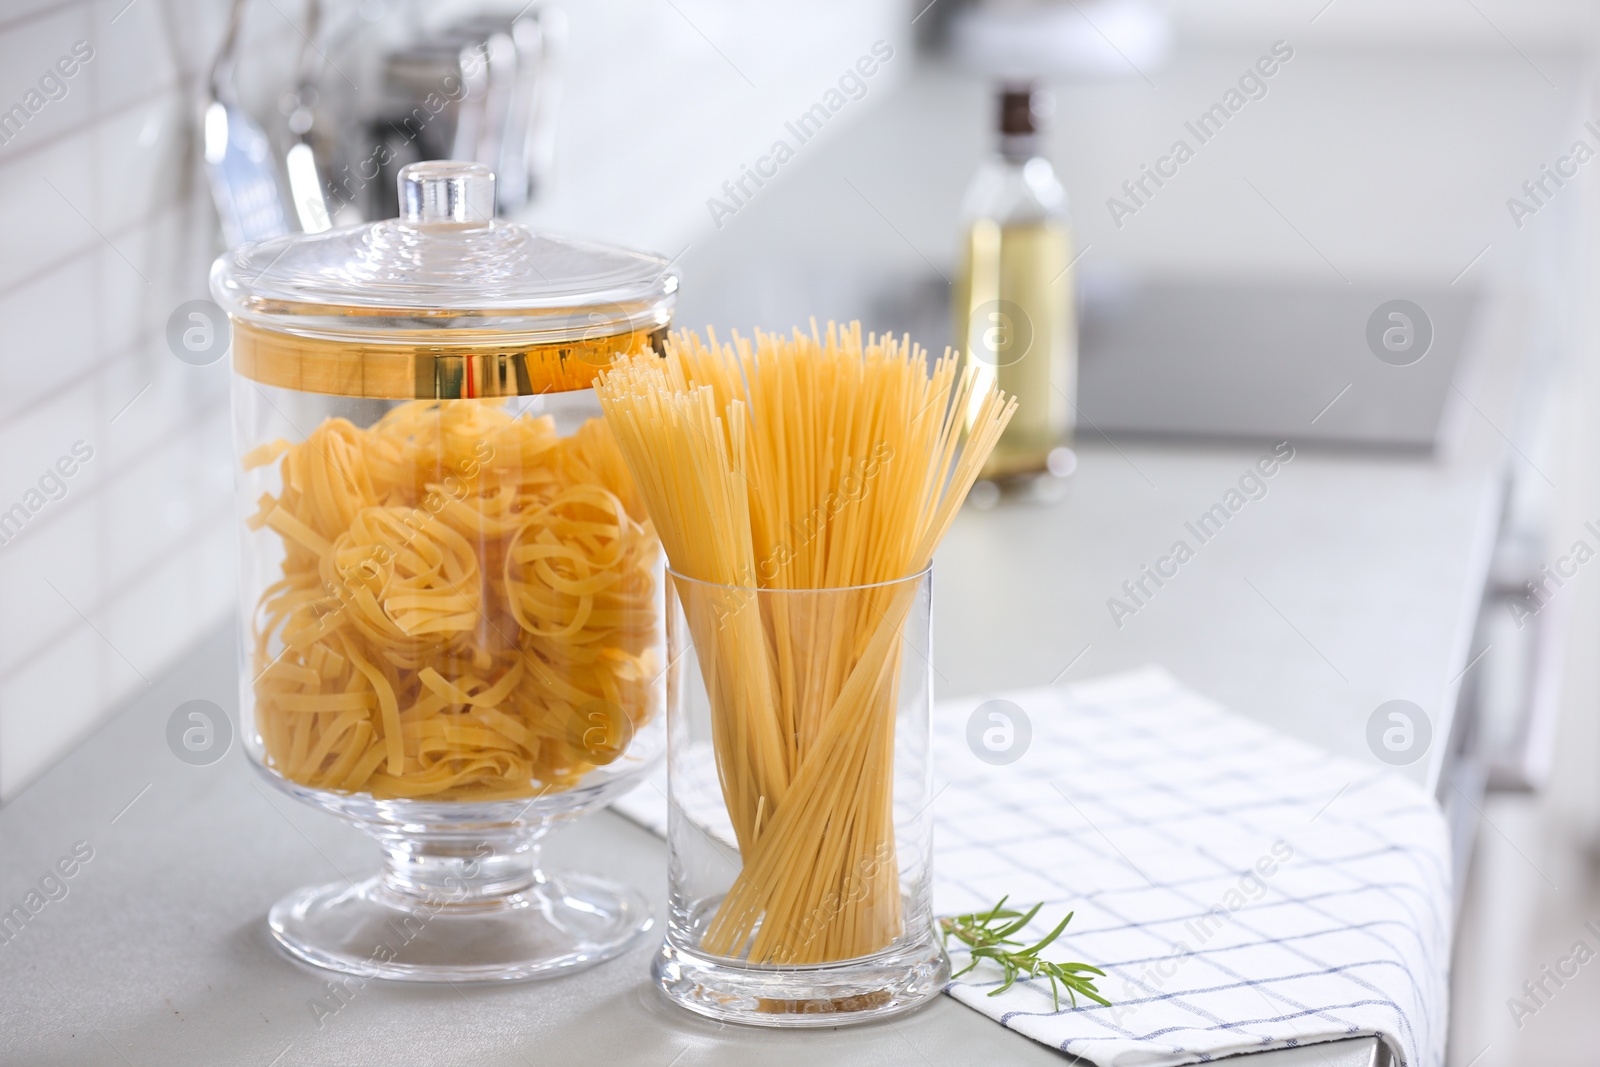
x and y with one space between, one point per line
106 226
103 229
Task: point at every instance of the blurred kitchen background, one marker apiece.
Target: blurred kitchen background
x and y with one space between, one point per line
1381 158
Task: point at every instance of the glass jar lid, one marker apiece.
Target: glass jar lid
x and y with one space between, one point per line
445 300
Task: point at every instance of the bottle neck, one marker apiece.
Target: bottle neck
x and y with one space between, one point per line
1022 111
1019 147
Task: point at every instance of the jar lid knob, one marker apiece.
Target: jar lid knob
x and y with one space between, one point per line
447 191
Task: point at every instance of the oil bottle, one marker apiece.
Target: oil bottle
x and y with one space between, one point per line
1014 307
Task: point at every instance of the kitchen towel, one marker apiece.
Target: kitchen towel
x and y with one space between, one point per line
1242 890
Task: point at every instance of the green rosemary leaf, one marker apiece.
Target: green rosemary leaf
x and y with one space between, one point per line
987 935
1020 922
1052 935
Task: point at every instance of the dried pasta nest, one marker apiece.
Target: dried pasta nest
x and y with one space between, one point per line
468 608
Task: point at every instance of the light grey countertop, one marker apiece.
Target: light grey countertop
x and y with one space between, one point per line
159 954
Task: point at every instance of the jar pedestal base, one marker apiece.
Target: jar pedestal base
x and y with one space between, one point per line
554 924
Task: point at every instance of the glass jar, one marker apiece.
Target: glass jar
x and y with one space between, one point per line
452 615
815 909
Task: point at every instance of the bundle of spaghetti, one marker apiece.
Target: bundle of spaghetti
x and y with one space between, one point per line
467 608
823 463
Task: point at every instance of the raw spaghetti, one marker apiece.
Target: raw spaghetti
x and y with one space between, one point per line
467 609
803 463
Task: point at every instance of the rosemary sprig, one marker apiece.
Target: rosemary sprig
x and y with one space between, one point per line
987 935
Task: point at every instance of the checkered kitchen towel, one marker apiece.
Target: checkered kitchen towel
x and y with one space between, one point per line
1241 889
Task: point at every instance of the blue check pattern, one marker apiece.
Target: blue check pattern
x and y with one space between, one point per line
1242 890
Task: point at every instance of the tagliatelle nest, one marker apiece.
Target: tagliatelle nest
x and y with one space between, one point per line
468 608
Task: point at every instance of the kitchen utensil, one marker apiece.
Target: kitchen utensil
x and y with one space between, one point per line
240 166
